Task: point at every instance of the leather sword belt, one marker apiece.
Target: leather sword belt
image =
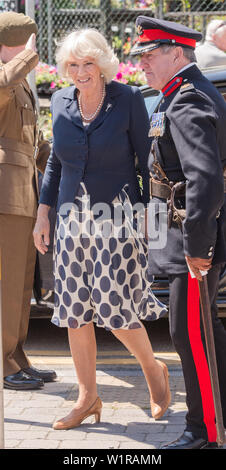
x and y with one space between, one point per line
164 190
169 190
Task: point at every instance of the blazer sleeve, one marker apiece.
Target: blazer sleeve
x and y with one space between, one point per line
138 130
193 126
52 175
51 180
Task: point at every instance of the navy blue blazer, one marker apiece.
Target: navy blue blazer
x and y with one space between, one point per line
101 155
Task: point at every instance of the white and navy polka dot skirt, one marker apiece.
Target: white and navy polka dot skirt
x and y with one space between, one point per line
101 276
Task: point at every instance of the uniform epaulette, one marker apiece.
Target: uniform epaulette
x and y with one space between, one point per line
186 86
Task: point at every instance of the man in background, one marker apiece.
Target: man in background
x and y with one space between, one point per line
213 51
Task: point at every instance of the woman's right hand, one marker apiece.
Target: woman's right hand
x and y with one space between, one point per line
41 232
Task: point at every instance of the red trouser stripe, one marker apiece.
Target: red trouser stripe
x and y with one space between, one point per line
194 332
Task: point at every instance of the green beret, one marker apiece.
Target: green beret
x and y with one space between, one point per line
16 28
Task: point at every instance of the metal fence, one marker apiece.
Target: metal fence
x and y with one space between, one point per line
114 18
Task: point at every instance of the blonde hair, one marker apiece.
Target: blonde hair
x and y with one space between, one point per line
87 42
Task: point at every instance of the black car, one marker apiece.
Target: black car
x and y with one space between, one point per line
42 302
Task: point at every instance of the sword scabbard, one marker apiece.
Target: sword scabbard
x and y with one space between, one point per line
211 356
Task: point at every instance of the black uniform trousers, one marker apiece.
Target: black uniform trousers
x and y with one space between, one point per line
188 337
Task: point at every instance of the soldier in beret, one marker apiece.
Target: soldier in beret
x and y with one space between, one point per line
187 164
22 151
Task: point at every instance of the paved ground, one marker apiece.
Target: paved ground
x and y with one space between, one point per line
127 433
126 422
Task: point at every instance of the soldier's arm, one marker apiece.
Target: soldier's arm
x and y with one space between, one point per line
44 149
193 128
13 73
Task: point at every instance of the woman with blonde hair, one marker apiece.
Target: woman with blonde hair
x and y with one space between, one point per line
99 127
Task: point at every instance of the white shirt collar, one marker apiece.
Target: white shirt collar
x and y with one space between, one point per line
184 68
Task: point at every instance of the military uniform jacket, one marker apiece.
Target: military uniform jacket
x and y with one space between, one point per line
18 138
192 149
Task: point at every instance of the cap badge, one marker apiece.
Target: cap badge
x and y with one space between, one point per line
139 30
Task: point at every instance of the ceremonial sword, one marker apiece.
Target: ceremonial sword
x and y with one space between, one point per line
211 355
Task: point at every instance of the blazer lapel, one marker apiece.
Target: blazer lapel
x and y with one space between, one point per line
106 109
109 103
112 91
72 106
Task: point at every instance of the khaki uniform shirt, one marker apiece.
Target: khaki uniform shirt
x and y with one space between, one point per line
22 147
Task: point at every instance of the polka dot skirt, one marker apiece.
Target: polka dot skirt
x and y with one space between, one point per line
101 277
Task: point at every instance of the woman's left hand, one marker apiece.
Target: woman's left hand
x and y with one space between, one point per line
42 229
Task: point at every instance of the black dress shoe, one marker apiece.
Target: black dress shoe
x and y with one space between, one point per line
212 445
45 375
22 381
189 441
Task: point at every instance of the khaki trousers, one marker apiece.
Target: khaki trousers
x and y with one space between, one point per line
18 264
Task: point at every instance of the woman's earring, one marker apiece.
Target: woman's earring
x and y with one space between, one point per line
102 75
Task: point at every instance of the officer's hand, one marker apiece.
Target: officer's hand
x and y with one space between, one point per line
41 234
31 43
198 264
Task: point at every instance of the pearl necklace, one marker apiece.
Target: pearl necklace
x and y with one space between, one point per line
91 116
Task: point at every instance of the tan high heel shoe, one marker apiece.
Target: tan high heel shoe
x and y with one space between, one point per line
73 420
158 409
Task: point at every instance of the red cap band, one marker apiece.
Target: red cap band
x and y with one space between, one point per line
158 34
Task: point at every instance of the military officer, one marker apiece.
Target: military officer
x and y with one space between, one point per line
21 147
187 163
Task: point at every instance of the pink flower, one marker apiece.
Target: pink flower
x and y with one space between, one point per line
52 69
52 85
119 75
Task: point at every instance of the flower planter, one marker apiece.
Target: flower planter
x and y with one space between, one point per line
48 81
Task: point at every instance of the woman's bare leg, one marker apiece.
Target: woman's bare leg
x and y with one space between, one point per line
138 343
83 350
